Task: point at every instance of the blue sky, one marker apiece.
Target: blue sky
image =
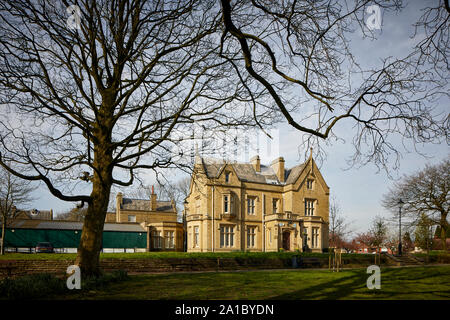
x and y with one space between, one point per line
357 190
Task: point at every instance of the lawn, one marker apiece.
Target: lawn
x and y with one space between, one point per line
431 282
162 255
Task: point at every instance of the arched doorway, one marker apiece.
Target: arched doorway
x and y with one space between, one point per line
287 240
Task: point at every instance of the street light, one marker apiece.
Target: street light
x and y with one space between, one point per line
400 205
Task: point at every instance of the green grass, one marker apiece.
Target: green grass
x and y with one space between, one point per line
396 283
162 255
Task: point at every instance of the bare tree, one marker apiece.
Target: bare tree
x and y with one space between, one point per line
338 225
107 91
14 193
74 214
425 192
300 53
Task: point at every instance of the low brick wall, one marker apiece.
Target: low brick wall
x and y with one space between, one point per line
59 267
24 267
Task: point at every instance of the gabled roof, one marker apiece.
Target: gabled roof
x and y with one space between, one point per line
35 214
246 171
145 205
292 174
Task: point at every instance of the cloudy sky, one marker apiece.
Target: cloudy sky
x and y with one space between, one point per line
357 190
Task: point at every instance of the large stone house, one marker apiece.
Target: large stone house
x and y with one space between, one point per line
253 207
158 218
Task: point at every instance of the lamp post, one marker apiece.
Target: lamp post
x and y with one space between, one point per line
400 205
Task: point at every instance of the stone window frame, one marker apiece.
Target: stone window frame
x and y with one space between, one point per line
277 207
198 205
230 203
169 239
157 239
251 236
311 209
315 232
310 184
196 237
254 199
227 235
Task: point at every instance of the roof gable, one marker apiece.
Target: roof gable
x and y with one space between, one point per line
309 168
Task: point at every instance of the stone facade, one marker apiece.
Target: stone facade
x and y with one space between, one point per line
159 218
252 207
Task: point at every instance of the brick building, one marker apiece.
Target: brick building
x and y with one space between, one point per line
158 218
253 207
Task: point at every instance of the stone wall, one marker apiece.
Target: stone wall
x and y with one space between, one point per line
59 267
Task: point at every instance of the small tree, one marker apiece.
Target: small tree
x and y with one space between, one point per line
378 231
14 192
366 239
339 227
425 192
424 234
407 242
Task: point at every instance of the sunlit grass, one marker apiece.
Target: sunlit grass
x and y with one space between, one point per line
396 283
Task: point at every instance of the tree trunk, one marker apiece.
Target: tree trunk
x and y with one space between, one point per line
2 240
88 257
444 227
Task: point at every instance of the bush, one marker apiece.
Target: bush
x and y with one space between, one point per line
90 283
31 287
42 286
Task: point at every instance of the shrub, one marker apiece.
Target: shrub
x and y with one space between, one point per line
90 283
42 286
31 287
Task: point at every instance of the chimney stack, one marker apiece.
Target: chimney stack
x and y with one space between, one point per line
119 198
153 200
278 166
255 161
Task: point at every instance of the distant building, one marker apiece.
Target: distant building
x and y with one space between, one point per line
158 218
252 207
35 214
24 234
137 225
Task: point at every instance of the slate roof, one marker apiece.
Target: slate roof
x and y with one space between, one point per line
246 172
145 205
72 225
39 214
292 174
